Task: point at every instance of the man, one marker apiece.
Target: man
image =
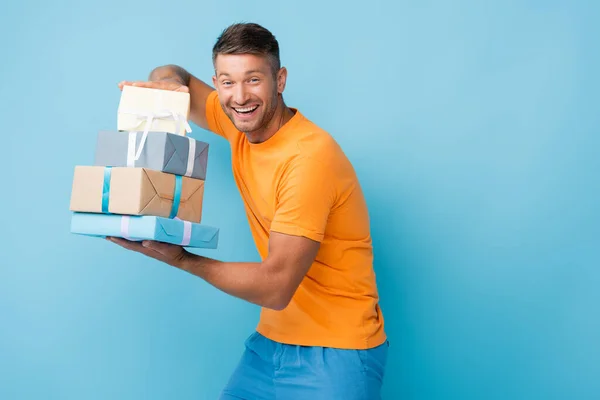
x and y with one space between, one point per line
320 334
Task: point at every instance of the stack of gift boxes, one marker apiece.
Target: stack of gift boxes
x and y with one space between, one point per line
147 181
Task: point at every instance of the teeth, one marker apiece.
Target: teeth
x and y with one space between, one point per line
245 109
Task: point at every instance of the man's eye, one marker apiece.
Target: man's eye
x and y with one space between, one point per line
226 83
254 80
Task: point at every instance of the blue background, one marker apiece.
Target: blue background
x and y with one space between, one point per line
473 127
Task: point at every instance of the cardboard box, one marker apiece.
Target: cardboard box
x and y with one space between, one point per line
161 151
136 191
138 228
170 110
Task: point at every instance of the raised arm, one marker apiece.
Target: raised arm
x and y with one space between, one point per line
173 77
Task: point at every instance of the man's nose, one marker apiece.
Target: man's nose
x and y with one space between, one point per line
241 95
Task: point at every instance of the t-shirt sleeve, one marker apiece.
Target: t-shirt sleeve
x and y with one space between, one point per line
218 121
305 195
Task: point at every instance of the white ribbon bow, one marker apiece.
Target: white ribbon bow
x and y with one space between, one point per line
133 155
150 117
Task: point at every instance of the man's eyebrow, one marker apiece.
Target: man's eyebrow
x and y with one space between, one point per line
252 71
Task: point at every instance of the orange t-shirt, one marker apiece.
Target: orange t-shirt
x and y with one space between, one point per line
299 182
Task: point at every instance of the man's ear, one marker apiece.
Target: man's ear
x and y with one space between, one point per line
214 80
281 79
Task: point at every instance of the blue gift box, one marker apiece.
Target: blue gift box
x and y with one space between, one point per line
161 151
145 227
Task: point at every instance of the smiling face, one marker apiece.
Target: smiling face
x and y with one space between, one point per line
249 92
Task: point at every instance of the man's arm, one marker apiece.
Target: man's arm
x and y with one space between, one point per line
270 284
173 77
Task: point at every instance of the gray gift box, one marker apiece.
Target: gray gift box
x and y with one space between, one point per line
161 151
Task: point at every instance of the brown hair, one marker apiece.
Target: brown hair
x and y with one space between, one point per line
248 38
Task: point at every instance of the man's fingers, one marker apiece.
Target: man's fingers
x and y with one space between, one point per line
140 84
165 252
123 83
164 84
166 249
128 244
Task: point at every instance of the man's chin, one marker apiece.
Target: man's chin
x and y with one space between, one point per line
246 126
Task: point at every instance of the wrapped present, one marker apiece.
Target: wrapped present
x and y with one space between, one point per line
161 151
132 227
136 191
153 110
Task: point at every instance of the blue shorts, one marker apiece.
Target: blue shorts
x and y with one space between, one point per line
271 370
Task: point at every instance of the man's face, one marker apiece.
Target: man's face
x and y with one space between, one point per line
247 89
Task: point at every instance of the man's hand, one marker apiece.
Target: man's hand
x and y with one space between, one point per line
168 253
166 84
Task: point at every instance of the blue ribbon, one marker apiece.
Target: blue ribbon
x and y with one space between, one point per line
176 197
106 189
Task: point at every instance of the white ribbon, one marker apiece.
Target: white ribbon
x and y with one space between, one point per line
191 156
150 118
125 226
187 233
131 149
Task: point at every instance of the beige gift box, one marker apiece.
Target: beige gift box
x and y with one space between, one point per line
135 191
168 110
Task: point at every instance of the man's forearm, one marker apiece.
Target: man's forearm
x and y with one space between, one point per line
251 281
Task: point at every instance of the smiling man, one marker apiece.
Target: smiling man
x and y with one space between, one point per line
320 334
